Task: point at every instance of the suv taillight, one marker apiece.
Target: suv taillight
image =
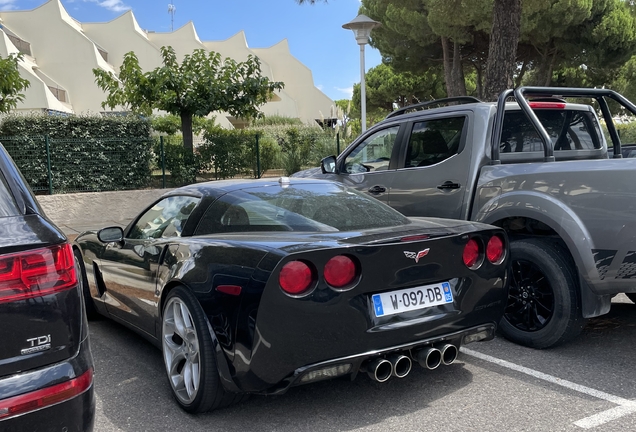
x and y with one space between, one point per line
48 396
36 273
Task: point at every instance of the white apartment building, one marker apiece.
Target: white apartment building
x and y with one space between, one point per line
60 54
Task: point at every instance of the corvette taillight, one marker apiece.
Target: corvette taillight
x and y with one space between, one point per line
471 253
36 273
340 271
48 396
296 278
495 250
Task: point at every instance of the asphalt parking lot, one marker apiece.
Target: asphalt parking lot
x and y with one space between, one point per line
589 384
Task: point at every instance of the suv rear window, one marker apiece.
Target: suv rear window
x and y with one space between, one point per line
569 130
8 206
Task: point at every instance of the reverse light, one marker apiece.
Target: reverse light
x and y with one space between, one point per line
48 396
36 273
340 271
296 277
547 105
326 373
471 253
495 250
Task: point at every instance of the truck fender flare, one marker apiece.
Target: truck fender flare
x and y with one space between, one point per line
553 213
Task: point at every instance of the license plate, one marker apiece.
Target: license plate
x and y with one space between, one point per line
395 302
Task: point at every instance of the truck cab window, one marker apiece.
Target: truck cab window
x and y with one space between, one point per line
569 130
433 141
372 154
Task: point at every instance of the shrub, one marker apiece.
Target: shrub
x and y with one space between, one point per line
230 152
87 153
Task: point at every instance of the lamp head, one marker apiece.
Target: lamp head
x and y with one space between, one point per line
361 27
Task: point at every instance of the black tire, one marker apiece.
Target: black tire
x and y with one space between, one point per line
210 393
89 305
544 308
631 296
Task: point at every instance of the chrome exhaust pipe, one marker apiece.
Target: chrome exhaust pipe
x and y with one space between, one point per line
401 365
429 358
449 354
379 369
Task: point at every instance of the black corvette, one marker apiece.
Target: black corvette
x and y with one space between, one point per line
256 286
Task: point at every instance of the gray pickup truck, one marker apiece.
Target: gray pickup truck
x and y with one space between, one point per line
532 163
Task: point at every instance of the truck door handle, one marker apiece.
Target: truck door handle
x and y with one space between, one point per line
375 190
449 185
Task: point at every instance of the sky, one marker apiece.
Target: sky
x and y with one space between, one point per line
314 32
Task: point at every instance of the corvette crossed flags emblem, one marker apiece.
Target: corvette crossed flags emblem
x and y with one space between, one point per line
416 255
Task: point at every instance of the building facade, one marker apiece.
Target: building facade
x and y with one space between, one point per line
60 54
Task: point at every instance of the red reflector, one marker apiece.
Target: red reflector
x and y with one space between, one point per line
36 273
340 271
229 289
471 253
45 397
547 105
295 277
495 249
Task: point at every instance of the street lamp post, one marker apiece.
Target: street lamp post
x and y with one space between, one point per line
362 26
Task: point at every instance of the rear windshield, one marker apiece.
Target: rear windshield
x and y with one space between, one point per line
8 206
569 130
312 207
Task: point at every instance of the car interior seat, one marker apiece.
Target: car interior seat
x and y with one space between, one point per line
235 216
434 147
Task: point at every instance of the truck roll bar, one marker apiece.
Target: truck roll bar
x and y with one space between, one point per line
521 94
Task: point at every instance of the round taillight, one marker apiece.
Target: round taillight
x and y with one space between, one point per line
295 277
495 249
471 253
340 271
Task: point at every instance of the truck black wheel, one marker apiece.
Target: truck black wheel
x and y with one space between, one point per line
631 296
544 309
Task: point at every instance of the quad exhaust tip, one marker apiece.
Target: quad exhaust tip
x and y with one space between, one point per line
449 354
429 358
401 365
379 369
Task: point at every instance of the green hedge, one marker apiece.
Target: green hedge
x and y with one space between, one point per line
87 153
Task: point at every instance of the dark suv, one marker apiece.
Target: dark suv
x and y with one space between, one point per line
46 367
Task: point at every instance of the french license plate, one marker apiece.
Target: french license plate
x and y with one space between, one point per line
395 302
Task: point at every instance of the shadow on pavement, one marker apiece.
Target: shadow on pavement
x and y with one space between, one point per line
134 395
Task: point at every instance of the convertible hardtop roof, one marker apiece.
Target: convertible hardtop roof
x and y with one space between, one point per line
221 187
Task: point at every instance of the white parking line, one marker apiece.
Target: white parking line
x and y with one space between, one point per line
625 406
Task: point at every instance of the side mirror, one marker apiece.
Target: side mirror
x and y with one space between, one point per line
110 234
328 165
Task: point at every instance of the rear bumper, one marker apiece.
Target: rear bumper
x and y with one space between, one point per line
76 414
353 364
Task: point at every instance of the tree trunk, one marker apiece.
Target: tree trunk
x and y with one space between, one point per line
186 130
502 51
548 75
480 76
448 69
459 82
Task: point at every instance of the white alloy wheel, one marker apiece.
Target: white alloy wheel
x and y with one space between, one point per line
181 353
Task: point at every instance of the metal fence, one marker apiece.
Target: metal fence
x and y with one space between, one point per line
65 165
